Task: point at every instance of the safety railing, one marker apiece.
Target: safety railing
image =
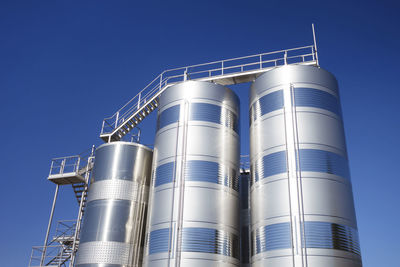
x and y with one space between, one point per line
56 255
65 230
70 163
58 250
208 71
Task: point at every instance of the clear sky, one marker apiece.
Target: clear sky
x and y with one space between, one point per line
65 65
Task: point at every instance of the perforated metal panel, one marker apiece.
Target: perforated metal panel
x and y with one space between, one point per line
113 226
100 252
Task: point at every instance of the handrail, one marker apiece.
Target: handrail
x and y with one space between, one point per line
210 70
69 163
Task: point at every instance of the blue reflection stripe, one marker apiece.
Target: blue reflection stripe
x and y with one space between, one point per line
271 164
200 112
304 97
271 102
164 174
266 104
211 172
213 113
271 237
314 160
158 241
331 236
168 116
207 240
308 97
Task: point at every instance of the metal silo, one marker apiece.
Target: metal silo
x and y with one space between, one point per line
301 195
194 200
113 226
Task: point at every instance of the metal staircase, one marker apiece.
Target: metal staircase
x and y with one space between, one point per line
60 250
224 72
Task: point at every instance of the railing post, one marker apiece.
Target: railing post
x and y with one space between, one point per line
260 62
285 58
62 166
160 81
222 67
102 127
315 45
185 75
116 120
138 102
51 167
77 164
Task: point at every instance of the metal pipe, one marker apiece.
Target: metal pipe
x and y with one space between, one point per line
49 226
315 44
79 219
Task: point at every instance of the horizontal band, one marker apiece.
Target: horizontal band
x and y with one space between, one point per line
104 252
323 235
200 112
118 189
199 171
331 236
197 239
303 97
271 237
311 160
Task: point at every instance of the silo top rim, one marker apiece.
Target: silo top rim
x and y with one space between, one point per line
199 89
292 74
126 143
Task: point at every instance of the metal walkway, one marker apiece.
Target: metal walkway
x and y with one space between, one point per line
60 250
224 72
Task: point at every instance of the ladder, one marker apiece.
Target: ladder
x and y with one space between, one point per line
224 72
61 249
58 251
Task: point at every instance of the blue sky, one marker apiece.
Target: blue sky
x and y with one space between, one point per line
65 65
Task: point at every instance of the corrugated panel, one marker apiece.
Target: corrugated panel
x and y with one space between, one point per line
308 97
266 104
168 116
207 240
158 241
331 236
270 164
211 172
213 113
164 174
271 237
314 160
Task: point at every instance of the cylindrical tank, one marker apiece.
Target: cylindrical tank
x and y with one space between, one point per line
244 188
301 195
194 202
113 226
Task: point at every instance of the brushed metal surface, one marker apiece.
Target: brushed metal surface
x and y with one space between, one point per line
194 199
301 188
113 226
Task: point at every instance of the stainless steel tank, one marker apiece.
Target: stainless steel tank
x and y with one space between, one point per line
301 195
194 202
113 227
245 241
